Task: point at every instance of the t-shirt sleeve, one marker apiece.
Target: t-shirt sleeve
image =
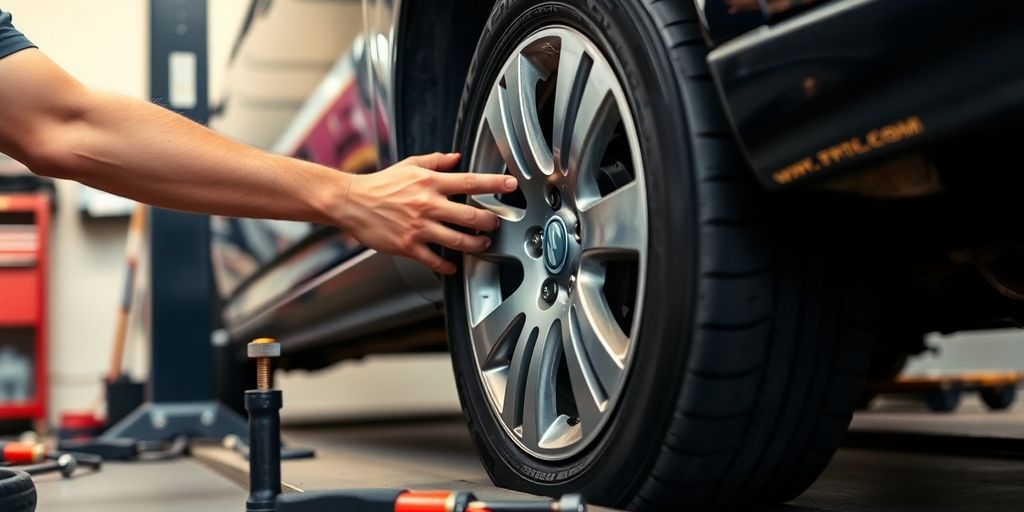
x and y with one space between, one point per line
10 39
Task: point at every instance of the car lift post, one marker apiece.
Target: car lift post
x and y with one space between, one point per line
180 390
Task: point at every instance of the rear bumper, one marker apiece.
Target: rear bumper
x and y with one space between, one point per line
855 80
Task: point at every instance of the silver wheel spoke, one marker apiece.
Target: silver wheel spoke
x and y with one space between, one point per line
539 411
590 395
573 69
515 385
498 119
492 204
521 79
597 335
613 224
496 325
508 243
590 115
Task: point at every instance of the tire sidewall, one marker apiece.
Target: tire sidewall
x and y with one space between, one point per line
17 492
616 462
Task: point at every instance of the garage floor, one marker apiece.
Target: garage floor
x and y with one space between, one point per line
436 452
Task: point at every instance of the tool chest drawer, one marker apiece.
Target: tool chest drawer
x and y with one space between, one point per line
19 296
19 245
24 230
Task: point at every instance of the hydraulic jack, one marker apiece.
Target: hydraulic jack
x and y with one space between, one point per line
264 405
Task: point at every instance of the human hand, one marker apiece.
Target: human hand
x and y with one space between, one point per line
403 208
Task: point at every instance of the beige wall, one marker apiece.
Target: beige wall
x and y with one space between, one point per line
105 45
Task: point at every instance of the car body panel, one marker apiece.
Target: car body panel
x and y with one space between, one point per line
380 26
350 300
725 19
856 80
309 285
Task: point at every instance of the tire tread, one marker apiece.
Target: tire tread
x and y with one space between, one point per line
809 410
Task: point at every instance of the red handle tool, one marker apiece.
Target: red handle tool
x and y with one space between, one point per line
21 453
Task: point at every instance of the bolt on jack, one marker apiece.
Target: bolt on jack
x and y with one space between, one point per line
263 405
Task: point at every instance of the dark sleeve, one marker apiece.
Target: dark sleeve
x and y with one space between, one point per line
10 39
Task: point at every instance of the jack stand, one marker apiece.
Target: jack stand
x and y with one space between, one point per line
265 452
264 406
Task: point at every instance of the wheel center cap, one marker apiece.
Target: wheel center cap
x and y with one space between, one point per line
556 245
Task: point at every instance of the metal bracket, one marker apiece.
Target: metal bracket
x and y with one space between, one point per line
165 421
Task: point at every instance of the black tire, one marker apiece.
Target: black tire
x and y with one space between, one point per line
754 357
943 400
17 493
999 398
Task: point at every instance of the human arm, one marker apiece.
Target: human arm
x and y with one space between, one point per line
58 127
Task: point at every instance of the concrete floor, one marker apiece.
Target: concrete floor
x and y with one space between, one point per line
182 485
436 452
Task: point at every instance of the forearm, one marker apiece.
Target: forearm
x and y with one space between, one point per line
60 128
138 150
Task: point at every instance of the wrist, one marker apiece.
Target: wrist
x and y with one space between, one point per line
332 203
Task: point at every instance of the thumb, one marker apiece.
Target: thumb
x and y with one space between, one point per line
435 161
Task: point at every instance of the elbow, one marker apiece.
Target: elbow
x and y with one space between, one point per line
45 159
51 145
51 151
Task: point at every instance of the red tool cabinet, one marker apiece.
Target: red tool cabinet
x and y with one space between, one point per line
24 231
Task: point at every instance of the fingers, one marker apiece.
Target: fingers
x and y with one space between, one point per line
424 255
435 161
466 216
470 183
436 233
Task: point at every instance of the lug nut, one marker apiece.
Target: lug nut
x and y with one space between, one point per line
263 350
536 244
576 231
549 291
554 198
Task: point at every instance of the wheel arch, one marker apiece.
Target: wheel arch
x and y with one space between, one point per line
434 45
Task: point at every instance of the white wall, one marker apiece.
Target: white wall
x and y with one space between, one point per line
105 45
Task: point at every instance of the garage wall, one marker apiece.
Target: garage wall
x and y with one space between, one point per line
105 45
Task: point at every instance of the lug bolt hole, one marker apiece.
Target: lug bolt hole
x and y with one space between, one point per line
576 231
549 291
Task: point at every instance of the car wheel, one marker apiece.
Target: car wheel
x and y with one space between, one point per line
999 398
647 328
946 399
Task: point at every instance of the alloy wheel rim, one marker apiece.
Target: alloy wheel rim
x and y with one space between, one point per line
553 304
